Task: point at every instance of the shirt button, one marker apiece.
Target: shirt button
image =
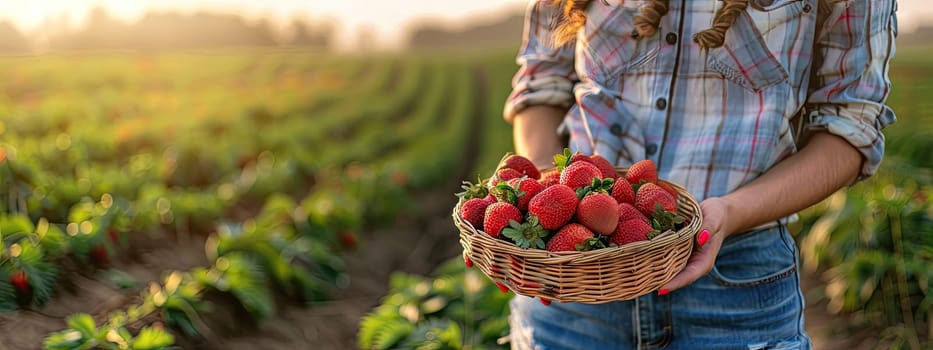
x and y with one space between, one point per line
652 149
807 8
616 129
671 38
661 103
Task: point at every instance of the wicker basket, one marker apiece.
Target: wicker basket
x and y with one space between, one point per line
593 277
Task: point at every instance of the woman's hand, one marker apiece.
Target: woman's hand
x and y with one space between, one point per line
708 242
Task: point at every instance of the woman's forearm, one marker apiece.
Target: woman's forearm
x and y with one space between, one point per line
826 164
534 130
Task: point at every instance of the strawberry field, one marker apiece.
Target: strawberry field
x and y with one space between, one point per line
274 199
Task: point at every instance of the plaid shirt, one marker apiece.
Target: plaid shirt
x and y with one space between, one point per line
713 119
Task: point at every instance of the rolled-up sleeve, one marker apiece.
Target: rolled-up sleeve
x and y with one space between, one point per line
847 95
546 74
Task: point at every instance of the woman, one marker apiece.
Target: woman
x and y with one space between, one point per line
760 108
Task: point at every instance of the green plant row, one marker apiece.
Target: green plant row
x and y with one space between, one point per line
875 242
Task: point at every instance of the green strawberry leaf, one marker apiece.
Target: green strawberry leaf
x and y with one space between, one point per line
562 160
506 193
471 190
663 220
598 186
526 235
151 339
590 244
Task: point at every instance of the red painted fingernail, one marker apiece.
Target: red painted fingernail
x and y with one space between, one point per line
467 261
703 237
502 287
546 302
663 292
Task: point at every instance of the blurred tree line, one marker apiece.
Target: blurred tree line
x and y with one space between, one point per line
165 31
159 31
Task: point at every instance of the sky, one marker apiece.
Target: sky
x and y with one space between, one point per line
386 19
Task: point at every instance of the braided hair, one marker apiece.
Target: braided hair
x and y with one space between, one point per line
574 18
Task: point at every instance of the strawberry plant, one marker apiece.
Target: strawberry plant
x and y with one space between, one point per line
84 334
454 309
875 242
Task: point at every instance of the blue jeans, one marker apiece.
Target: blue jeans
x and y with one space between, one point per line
750 300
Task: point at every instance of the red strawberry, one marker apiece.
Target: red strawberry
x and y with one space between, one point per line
628 212
643 170
498 215
474 209
348 239
599 212
19 280
522 165
670 189
649 195
579 174
100 255
580 157
622 191
605 167
502 175
529 187
569 238
554 206
550 178
629 231
573 237
113 235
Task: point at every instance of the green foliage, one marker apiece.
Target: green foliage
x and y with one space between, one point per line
876 242
82 333
456 309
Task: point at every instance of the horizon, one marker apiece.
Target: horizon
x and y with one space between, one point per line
387 23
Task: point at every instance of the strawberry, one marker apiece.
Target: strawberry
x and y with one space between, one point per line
571 238
580 157
550 178
634 230
498 216
628 212
100 255
527 188
554 206
605 167
579 174
113 235
474 210
622 191
649 195
599 212
348 239
19 280
504 174
670 189
642 171
521 164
